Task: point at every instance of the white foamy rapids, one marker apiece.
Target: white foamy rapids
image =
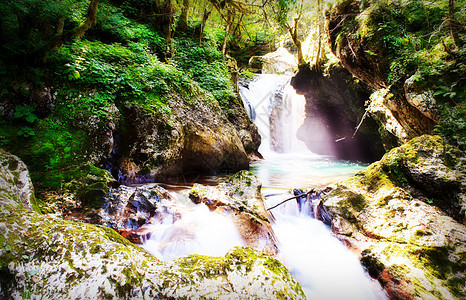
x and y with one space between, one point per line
196 231
318 261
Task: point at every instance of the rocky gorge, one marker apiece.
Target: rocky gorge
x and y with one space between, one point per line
114 123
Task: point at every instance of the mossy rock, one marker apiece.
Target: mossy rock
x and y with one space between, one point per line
405 214
44 256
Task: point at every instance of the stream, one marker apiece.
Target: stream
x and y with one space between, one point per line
324 267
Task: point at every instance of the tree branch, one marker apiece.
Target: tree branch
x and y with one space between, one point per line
61 38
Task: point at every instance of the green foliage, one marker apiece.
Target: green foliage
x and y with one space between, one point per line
26 113
208 67
452 126
28 25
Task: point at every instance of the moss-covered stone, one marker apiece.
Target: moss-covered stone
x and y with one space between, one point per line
44 256
81 187
407 211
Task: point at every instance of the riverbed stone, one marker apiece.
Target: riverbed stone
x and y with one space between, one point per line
240 198
44 256
404 216
279 62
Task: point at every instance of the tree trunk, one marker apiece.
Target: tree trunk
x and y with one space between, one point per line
229 20
453 23
319 36
61 38
204 21
169 9
183 20
294 36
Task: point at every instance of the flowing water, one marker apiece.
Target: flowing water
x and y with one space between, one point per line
321 263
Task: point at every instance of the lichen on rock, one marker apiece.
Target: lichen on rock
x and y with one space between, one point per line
405 216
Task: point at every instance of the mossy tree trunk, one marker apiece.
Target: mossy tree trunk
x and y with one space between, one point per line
61 38
168 10
230 18
205 16
454 25
293 30
183 20
320 25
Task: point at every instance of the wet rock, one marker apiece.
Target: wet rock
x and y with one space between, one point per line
239 197
127 209
335 106
44 256
405 216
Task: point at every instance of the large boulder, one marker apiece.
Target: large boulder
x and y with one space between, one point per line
44 256
15 185
404 215
278 62
185 137
240 198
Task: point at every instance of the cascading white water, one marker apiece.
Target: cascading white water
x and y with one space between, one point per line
323 266
277 111
190 229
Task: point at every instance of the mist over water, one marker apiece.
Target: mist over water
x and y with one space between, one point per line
191 229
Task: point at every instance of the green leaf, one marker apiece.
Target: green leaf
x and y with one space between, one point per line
31 118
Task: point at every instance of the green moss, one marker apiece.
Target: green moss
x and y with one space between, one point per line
372 264
92 195
350 205
456 286
398 271
436 260
113 236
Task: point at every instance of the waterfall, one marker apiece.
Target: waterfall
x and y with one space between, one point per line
277 110
320 263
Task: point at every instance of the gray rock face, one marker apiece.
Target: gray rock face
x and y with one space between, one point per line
44 256
240 198
405 216
15 184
